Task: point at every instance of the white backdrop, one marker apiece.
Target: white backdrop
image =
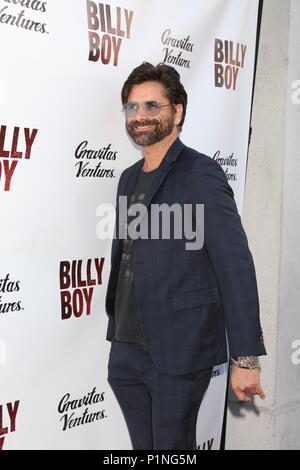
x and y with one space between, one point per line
55 96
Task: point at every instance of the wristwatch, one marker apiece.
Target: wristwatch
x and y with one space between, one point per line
246 362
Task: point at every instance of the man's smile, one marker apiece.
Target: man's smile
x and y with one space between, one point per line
142 127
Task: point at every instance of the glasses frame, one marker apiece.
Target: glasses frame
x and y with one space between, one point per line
144 106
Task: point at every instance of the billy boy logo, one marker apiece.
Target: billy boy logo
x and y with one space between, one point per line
8 416
15 145
229 58
77 282
108 26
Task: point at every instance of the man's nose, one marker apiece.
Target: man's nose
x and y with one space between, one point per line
141 113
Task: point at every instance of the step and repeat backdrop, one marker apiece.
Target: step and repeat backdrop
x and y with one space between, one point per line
63 147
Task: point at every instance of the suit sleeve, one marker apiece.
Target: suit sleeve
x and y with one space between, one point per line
227 247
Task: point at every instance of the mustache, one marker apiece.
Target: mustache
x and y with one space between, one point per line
146 122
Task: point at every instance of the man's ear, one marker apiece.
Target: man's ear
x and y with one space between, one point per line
178 113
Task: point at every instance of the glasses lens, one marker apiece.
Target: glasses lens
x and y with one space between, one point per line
152 108
130 108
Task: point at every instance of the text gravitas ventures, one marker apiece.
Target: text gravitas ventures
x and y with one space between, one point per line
84 169
19 20
66 405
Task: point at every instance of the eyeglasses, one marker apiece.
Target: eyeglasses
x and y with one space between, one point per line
150 107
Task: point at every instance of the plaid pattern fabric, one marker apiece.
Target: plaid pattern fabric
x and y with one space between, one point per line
160 410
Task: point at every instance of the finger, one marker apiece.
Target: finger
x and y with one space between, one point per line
241 396
259 391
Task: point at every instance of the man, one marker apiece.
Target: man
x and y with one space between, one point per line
170 307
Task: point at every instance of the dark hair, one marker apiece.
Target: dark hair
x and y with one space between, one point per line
162 73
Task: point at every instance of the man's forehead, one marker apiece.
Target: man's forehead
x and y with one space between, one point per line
147 91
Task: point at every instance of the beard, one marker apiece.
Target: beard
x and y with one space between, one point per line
159 130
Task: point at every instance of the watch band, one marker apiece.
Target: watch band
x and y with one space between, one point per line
246 362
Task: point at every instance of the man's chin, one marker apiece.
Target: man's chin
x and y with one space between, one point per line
143 139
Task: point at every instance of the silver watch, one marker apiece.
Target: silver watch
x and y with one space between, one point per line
246 362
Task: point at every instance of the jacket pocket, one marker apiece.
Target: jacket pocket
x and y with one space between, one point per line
196 297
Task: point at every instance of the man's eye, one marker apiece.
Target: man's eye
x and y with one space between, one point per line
131 106
152 106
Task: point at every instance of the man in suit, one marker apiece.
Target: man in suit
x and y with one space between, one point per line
170 308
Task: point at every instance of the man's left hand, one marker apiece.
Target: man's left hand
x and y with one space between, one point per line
245 381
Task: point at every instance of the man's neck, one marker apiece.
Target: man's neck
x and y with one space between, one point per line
154 154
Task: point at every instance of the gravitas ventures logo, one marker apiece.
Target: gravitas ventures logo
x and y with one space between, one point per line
107 26
77 411
28 18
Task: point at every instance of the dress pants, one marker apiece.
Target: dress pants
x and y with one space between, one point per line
160 410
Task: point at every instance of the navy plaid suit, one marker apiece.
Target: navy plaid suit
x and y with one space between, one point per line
186 298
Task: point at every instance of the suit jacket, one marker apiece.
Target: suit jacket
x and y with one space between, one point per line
188 299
